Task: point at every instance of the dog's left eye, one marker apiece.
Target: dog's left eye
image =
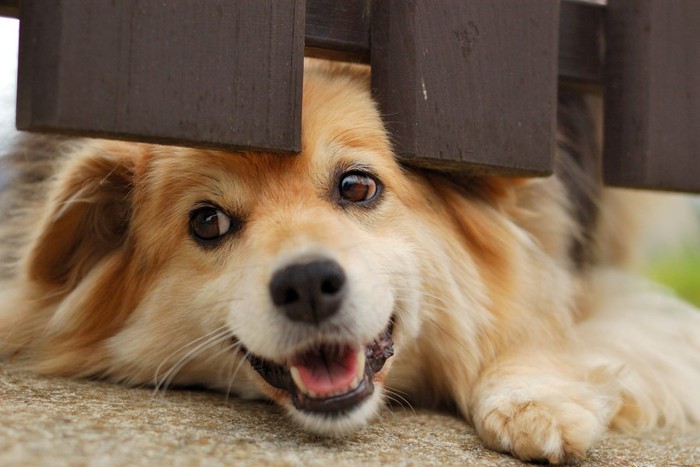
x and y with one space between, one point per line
358 187
209 223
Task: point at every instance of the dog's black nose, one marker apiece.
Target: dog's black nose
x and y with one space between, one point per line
310 292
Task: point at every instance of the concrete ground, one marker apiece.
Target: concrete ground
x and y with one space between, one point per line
61 422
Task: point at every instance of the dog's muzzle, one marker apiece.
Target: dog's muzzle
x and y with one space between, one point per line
327 377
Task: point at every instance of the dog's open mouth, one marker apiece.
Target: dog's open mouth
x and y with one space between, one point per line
328 378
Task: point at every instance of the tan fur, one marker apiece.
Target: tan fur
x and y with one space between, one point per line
492 316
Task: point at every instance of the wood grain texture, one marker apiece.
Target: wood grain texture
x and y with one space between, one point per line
120 80
468 82
581 42
338 29
215 73
653 94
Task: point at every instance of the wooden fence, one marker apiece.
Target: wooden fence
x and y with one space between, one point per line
464 84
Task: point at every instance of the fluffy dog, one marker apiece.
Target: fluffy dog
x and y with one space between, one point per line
327 280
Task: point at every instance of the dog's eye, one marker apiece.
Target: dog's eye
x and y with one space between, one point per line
208 223
358 187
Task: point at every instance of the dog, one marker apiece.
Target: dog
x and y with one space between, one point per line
329 280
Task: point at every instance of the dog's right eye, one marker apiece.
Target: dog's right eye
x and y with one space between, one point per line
209 223
358 188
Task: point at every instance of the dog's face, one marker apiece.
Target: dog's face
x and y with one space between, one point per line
302 262
293 277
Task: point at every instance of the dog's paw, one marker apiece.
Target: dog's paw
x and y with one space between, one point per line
544 427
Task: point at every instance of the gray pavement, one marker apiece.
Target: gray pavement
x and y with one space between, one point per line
63 422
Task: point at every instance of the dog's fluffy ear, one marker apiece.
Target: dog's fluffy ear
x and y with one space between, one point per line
87 216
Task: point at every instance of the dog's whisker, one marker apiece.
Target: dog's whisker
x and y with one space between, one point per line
170 375
229 352
214 334
232 378
200 347
394 396
396 391
393 402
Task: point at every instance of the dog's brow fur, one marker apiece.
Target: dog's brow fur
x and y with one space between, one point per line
508 298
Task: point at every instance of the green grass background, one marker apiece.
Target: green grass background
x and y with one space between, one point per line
678 266
680 271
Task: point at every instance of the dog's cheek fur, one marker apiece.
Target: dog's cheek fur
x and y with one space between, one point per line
79 281
178 336
176 333
491 270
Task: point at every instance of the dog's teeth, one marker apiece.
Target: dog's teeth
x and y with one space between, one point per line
294 371
360 367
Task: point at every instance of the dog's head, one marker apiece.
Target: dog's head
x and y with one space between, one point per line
301 278
291 277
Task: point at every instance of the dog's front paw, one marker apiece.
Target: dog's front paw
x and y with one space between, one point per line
540 426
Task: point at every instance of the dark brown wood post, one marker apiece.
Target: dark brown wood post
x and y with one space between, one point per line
338 29
652 114
203 73
9 8
581 44
468 81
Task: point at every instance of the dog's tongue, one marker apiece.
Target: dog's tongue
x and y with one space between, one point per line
325 372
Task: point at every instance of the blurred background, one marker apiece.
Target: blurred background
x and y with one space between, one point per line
9 39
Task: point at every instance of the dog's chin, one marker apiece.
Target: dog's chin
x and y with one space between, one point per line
339 423
329 388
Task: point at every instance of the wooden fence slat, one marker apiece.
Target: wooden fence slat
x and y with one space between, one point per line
581 37
652 94
120 99
468 82
338 30
214 73
174 72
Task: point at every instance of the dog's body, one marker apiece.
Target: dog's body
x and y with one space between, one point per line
329 280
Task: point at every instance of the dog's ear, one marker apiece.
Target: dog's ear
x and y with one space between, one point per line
87 215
